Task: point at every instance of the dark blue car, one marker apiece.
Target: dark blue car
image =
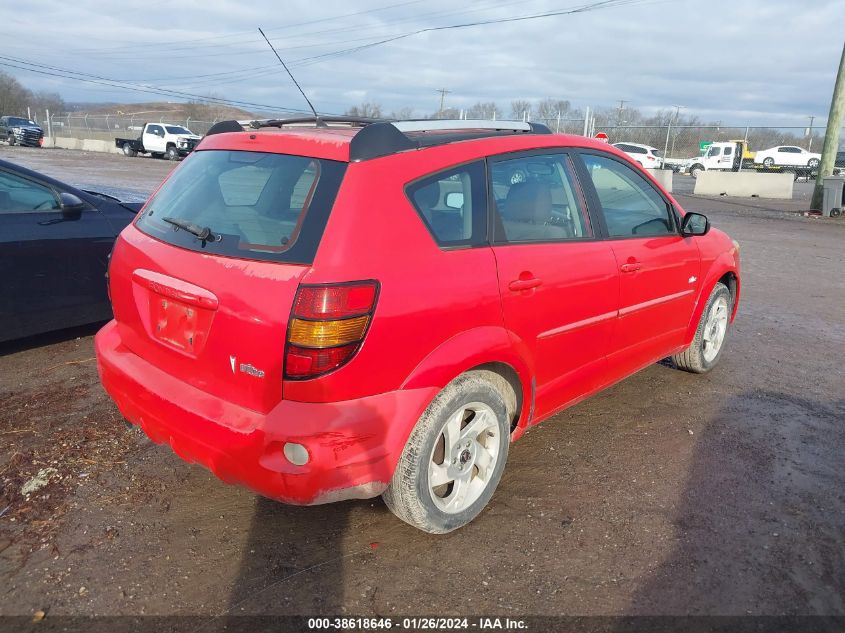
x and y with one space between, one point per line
55 242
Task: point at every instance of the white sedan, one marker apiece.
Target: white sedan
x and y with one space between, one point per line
646 155
787 156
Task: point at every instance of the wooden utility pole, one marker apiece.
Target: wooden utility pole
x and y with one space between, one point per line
831 135
810 133
443 92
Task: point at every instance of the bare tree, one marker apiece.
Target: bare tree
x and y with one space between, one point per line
51 101
549 109
520 109
484 110
366 109
402 114
14 98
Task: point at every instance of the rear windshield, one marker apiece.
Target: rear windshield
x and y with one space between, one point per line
255 205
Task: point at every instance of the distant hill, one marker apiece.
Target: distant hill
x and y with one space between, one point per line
169 110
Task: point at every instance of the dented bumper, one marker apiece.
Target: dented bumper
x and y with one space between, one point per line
353 445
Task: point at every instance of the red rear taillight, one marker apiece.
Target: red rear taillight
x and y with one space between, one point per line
327 326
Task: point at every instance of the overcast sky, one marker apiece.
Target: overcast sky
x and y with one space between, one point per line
758 62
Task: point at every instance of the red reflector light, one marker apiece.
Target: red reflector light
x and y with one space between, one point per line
304 362
335 302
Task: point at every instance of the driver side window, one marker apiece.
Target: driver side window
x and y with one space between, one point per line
631 206
19 195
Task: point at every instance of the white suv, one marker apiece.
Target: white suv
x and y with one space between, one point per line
646 155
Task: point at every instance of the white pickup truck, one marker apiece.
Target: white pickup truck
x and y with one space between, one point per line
160 139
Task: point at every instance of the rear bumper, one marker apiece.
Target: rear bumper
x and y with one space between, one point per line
353 445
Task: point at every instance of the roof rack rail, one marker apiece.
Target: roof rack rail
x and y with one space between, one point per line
241 126
382 137
435 125
319 121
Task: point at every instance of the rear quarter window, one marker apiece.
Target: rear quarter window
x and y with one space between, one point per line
452 204
256 205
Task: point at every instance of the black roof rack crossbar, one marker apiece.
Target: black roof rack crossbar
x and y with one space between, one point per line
382 137
388 137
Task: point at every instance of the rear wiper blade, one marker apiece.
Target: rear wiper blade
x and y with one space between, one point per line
202 232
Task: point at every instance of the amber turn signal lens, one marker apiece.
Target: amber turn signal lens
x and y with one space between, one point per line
327 333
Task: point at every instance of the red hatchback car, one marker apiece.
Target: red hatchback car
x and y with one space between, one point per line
349 309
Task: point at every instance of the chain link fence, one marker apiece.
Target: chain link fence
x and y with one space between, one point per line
109 126
681 142
675 142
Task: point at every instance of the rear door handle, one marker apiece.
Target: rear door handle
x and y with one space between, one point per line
524 284
630 267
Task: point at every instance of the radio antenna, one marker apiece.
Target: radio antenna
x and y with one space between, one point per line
293 79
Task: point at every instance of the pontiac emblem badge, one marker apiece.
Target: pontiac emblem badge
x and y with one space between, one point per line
232 363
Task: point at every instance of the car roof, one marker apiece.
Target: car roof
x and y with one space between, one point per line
339 142
334 144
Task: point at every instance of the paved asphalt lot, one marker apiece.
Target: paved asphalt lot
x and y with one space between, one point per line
667 494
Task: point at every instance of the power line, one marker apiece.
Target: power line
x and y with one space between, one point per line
594 6
217 38
104 81
95 79
167 49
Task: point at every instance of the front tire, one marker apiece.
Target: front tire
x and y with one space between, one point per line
172 153
696 170
11 140
454 458
707 344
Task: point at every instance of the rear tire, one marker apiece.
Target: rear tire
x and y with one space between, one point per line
813 163
707 344
768 162
128 151
461 441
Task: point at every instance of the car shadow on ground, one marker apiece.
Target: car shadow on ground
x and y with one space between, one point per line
294 557
49 338
760 523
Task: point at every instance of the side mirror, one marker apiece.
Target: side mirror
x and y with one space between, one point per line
455 200
72 207
694 224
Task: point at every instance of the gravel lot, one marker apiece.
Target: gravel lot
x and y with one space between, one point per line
667 494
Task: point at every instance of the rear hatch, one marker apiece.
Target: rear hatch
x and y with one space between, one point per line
202 284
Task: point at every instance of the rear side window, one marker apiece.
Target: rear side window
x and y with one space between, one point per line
452 204
537 200
256 205
631 206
